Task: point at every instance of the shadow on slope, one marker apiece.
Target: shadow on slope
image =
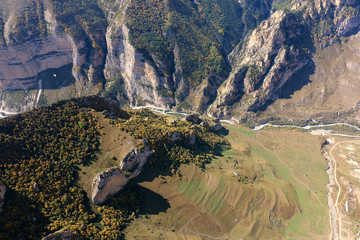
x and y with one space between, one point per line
151 202
299 79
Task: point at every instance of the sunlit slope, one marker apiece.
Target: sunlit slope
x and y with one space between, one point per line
332 85
280 192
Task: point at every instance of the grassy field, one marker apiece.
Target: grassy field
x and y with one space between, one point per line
279 191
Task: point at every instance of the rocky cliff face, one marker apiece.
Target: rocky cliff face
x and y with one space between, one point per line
269 56
40 63
213 66
282 45
109 182
142 83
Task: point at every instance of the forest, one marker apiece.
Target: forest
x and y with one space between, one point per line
40 155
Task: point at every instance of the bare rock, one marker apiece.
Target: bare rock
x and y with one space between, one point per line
3 189
135 160
61 235
194 118
141 79
215 128
204 124
262 64
35 186
346 19
174 137
192 139
109 182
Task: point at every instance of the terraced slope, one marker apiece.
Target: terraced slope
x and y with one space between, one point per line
280 191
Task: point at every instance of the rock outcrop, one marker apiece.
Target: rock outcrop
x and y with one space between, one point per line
61 235
174 137
35 186
216 127
142 83
51 61
268 58
193 118
346 19
109 182
3 189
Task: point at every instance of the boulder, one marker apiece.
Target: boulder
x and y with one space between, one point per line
3 189
194 118
35 186
215 128
109 182
108 115
204 124
174 137
192 139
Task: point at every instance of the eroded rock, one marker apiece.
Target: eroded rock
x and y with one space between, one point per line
267 59
192 138
174 137
204 124
35 186
109 182
194 118
215 128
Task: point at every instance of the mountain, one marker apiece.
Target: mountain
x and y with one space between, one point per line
226 58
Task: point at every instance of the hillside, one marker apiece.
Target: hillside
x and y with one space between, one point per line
86 169
49 158
229 59
279 193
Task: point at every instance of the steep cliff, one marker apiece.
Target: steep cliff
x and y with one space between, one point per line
225 57
277 49
39 54
263 63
